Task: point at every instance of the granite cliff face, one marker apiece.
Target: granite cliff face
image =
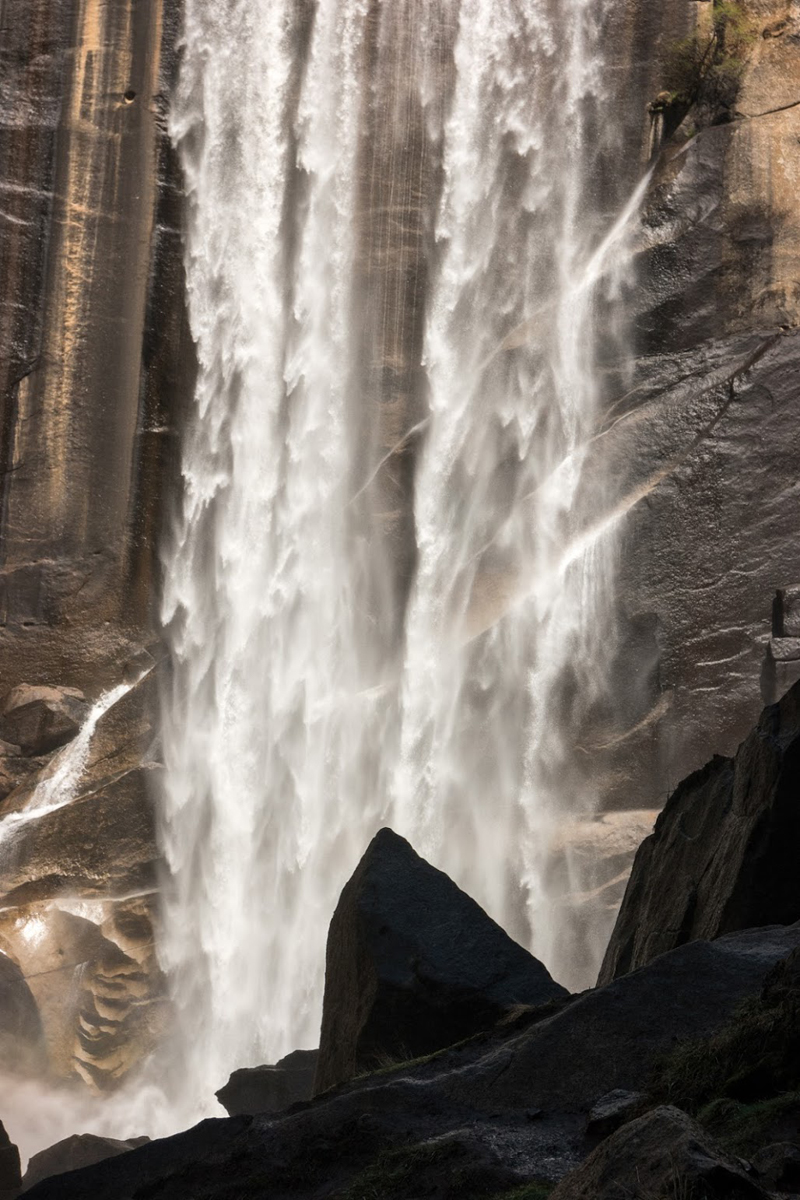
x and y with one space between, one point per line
95 364
96 370
94 355
708 436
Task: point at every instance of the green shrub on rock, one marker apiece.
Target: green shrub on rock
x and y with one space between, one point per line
740 1081
704 71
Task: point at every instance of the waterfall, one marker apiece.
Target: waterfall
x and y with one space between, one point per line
382 601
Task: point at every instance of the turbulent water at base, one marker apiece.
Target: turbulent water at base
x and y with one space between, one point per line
382 599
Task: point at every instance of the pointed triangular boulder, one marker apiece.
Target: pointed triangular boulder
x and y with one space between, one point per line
413 964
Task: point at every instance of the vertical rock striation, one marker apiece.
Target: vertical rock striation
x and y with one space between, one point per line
93 345
95 361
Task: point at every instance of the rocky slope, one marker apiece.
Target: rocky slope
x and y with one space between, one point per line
577 1093
505 1109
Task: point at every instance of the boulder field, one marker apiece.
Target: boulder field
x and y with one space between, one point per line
452 1065
512 1108
546 1090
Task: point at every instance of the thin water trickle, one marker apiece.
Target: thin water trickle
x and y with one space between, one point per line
58 786
382 601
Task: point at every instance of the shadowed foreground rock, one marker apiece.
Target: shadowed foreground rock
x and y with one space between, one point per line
723 855
80 1150
413 964
664 1153
10 1176
506 1108
271 1088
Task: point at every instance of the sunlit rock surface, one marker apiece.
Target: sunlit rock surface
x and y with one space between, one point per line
93 349
78 880
712 420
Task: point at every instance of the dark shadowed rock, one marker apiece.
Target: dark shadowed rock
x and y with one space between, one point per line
459 1125
611 1037
20 1025
40 719
783 982
413 964
664 1153
612 1110
270 1088
80 1150
10 1176
778 1166
723 855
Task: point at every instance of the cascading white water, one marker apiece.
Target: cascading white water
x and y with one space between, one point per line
392 256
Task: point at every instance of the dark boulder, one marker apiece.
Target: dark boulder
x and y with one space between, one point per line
271 1088
10 1176
613 1110
664 1153
40 719
723 855
413 964
80 1150
778 1166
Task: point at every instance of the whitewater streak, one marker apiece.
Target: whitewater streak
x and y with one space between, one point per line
395 210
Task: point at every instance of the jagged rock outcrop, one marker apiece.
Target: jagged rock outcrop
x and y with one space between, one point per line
413 964
269 1089
504 1109
664 1153
10 1174
723 855
80 1150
